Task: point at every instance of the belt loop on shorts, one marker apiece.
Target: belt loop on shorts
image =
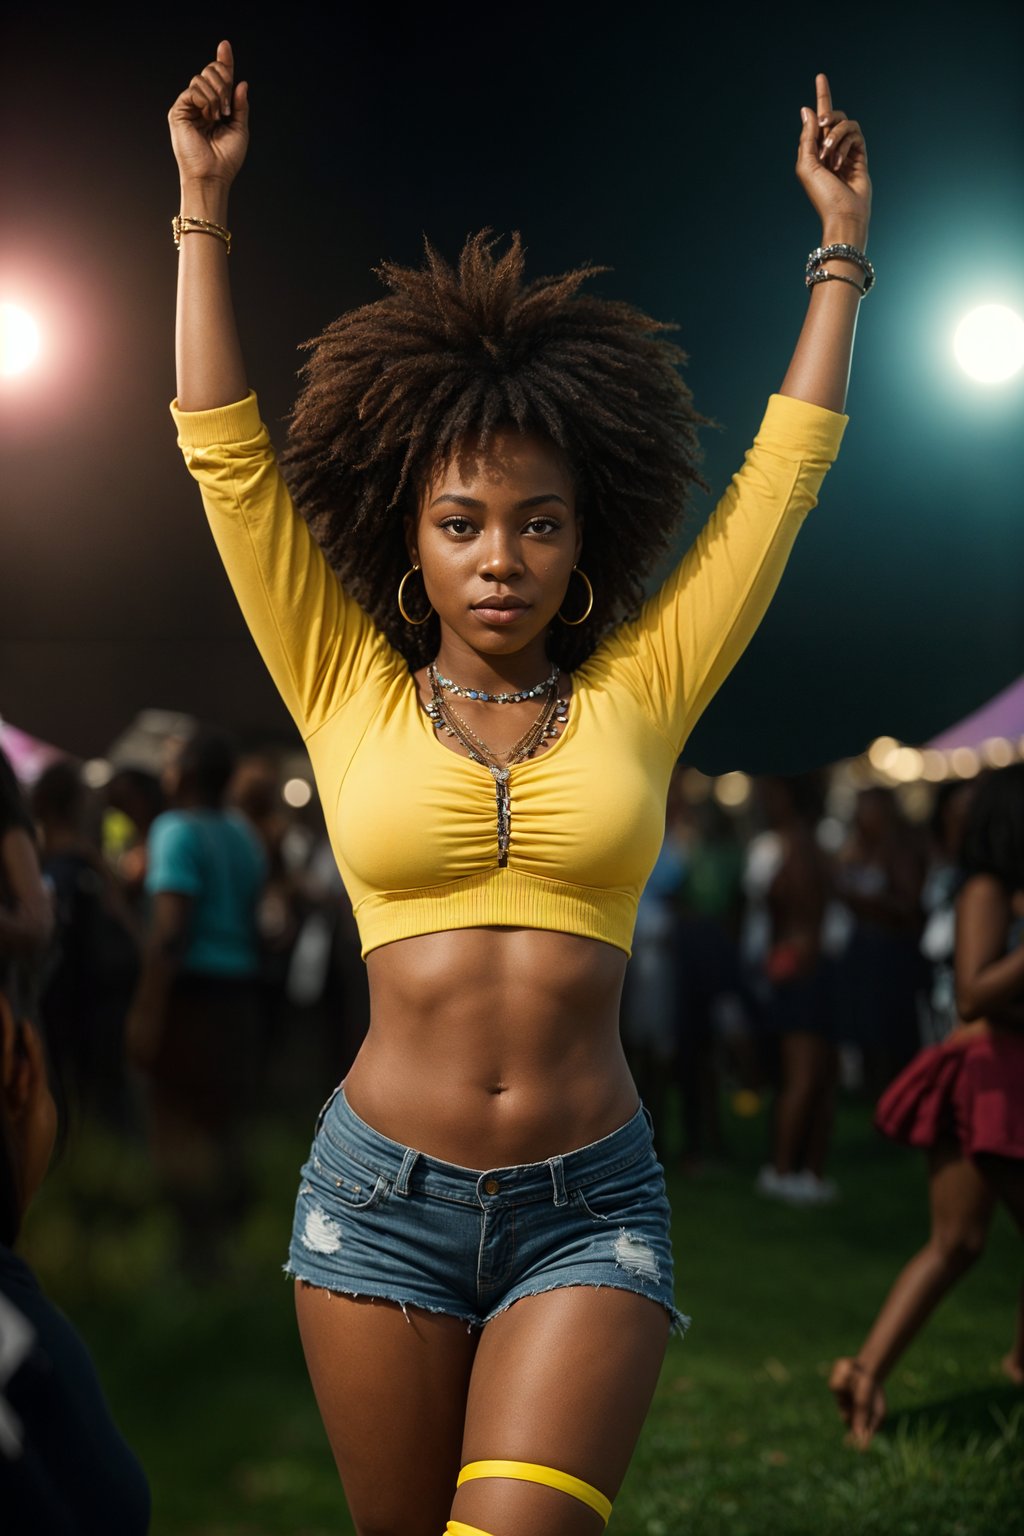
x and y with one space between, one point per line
322 1116
408 1164
558 1180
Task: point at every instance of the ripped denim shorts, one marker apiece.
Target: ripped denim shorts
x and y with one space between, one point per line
375 1218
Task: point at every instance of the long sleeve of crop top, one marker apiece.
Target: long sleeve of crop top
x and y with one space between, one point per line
320 647
692 631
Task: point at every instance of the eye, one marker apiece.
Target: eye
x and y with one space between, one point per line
459 526
543 525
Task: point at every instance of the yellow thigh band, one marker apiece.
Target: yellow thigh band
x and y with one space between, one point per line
530 1472
456 1528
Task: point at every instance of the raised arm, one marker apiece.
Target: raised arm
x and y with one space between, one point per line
318 645
691 632
210 134
832 166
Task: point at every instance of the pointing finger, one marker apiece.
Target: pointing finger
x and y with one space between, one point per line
824 95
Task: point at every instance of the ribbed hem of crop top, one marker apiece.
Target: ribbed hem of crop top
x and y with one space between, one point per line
412 824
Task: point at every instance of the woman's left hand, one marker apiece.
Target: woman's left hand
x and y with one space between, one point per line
832 163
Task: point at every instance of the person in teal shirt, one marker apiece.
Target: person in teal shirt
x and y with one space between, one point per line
195 1025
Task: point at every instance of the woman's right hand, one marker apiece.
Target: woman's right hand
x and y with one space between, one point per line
210 123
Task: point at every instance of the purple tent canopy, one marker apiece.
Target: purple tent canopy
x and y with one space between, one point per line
29 756
1001 716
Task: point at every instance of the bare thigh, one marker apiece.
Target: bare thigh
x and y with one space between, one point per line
961 1199
391 1388
564 1379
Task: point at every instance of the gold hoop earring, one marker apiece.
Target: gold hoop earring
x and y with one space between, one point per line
401 605
590 601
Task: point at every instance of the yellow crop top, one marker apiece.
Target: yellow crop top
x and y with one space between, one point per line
412 824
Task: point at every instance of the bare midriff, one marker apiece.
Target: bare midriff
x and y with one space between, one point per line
490 1047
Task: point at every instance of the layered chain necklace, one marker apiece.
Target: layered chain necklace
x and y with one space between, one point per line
444 716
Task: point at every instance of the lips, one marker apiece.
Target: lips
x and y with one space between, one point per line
500 610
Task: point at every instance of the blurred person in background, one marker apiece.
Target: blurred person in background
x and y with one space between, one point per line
799 995
712 1022
98 937
879 872
682 984
962 1101
651 990
943 879
134 798
327 975
64 1468
255 791
195 1026
26 905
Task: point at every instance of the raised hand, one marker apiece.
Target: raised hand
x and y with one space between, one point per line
832 162
210 123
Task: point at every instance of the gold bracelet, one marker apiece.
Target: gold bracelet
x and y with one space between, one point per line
183 225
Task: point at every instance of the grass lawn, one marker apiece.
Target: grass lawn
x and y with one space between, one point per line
209 1384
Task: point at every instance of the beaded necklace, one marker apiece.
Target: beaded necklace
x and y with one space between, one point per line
444 716
458 691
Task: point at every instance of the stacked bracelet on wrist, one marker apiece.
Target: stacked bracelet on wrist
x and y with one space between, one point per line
815 273
183 225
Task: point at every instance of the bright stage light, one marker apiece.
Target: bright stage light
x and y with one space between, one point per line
989 343
19 340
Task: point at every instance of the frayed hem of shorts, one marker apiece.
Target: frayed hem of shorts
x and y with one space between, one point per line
398 1301
679 1320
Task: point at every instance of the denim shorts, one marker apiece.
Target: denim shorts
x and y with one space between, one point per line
375 1218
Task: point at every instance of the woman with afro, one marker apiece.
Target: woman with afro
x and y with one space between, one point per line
448 593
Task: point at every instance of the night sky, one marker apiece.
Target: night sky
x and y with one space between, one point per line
640 138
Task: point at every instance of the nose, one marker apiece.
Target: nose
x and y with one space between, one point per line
500 555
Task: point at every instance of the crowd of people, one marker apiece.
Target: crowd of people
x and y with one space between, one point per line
166 931
160 937
783 950
186 917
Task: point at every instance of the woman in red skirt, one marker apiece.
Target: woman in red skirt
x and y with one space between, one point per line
962 1101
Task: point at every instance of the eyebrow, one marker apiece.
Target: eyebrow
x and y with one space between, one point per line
520 506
